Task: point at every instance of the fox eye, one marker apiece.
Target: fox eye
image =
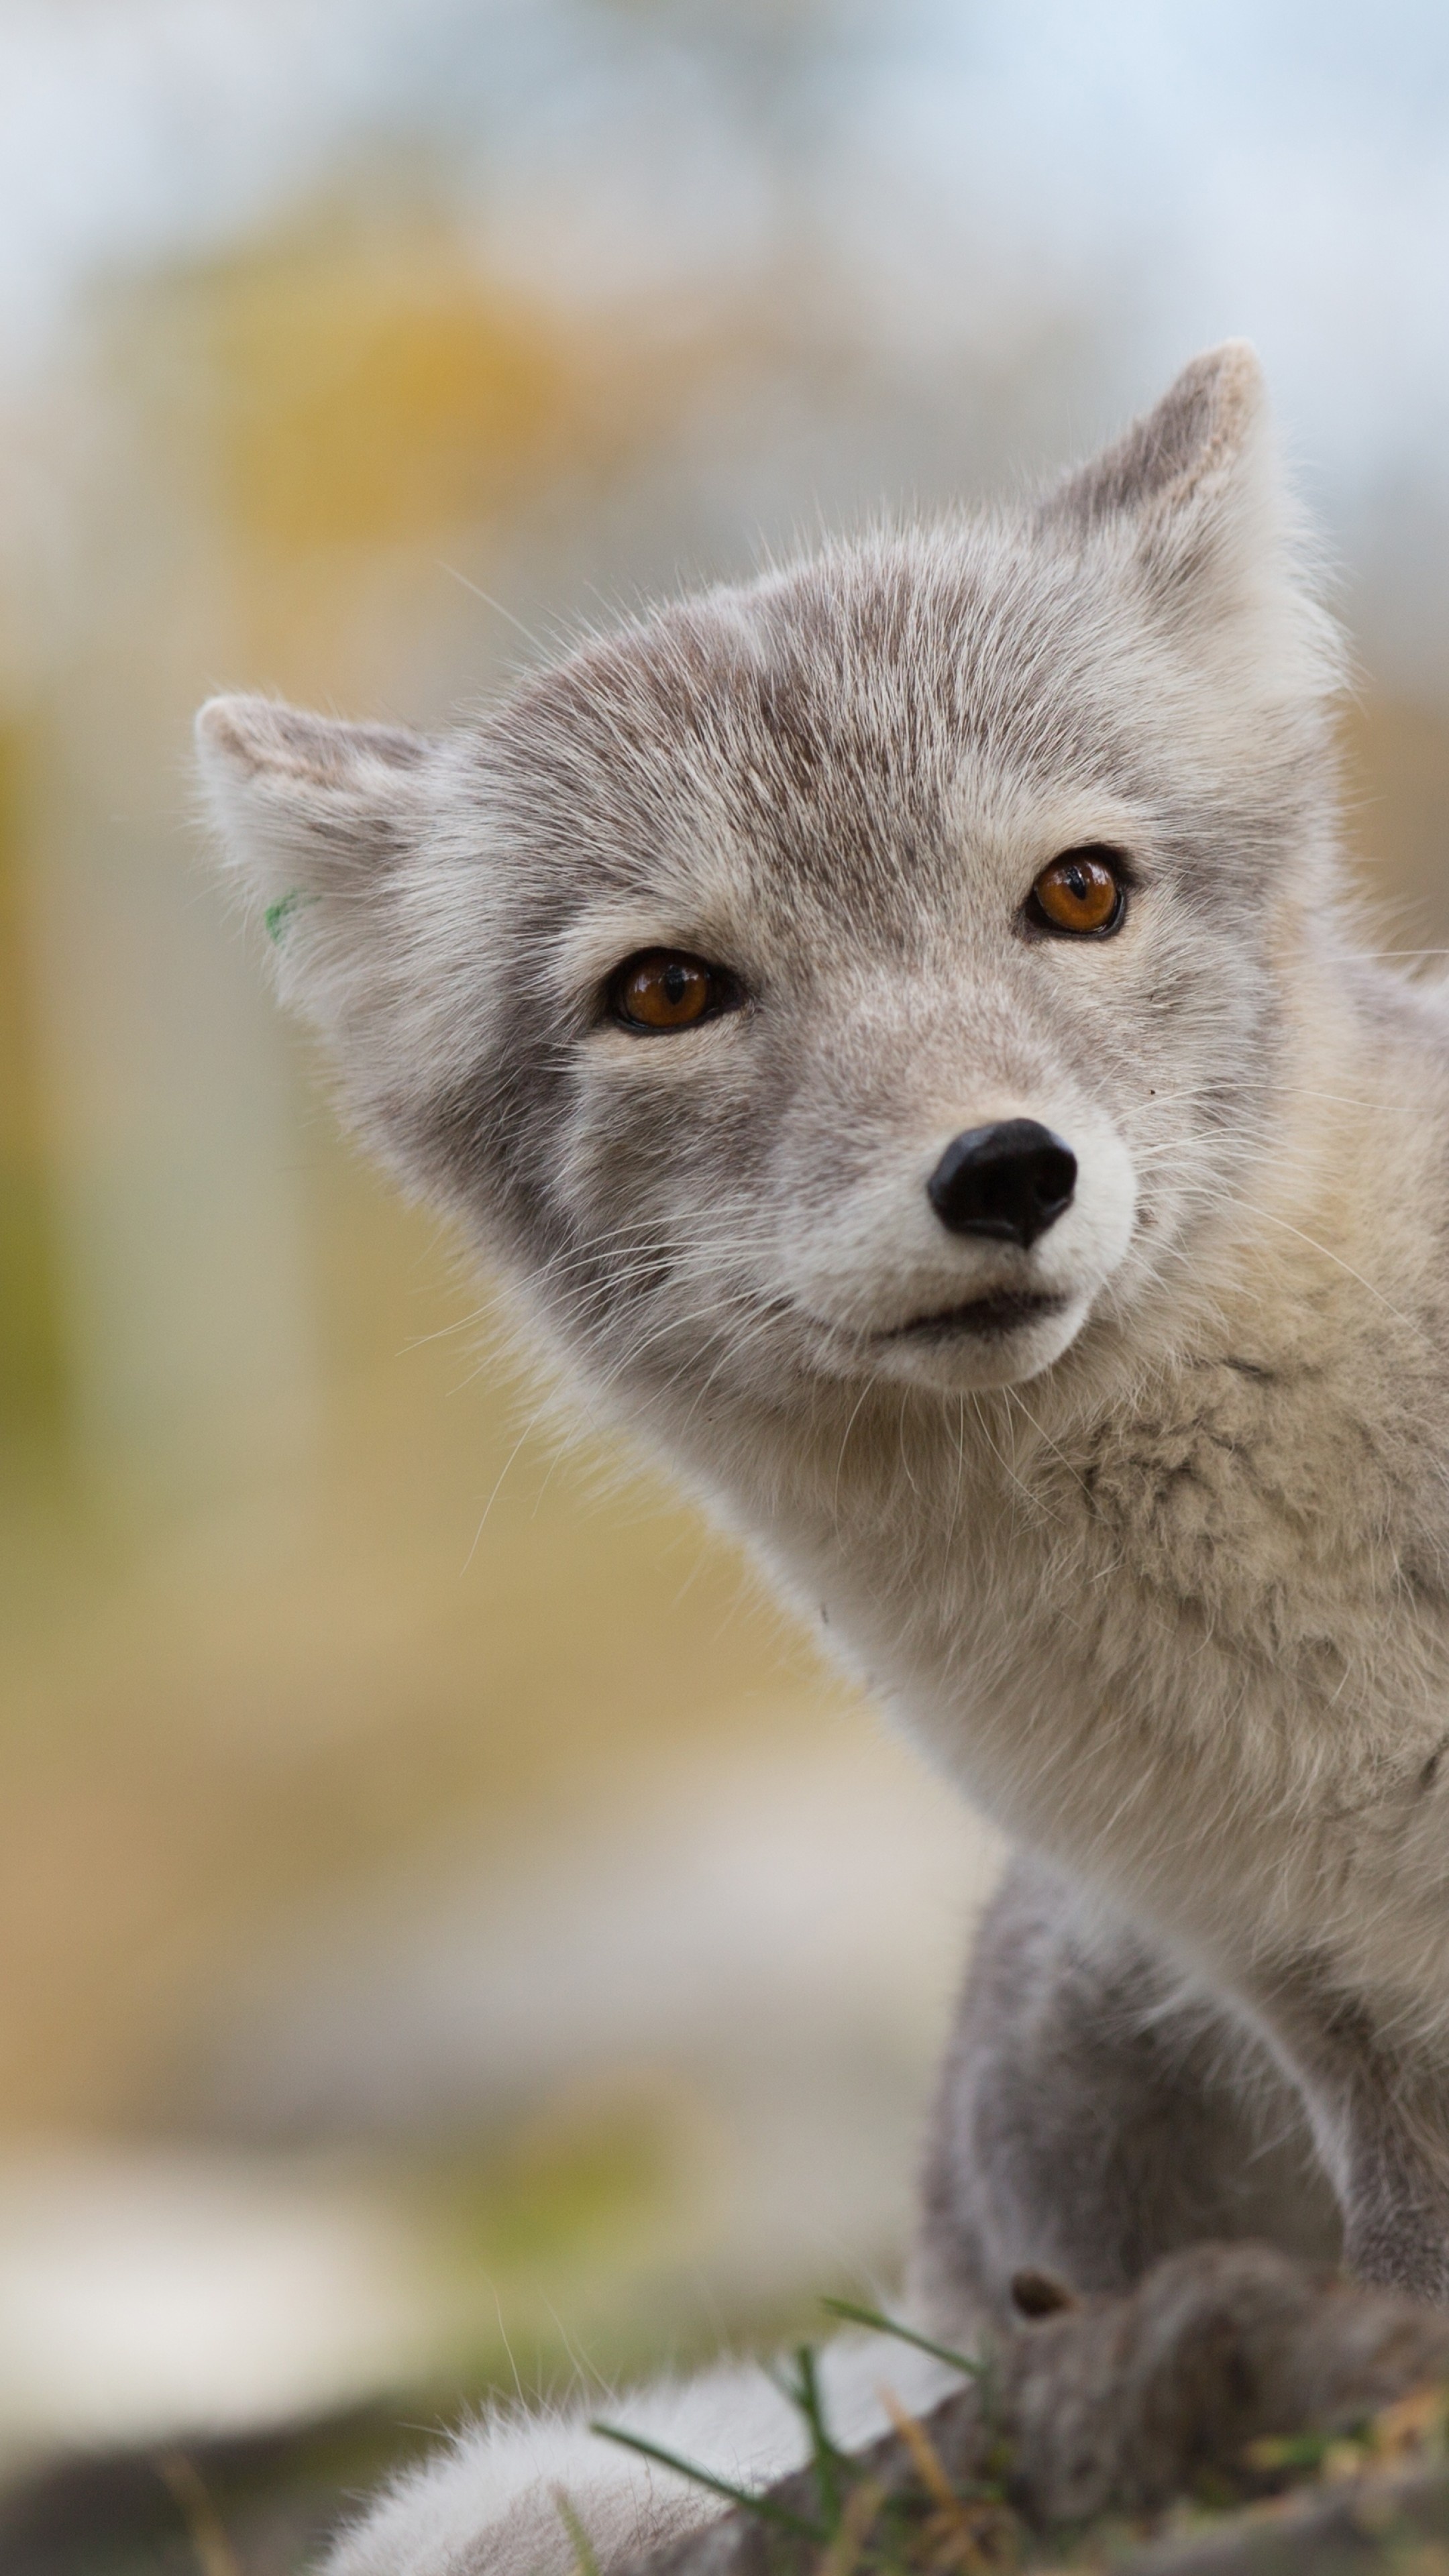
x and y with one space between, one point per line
663 989
1080 893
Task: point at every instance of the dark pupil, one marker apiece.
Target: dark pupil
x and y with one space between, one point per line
1079 882
678 981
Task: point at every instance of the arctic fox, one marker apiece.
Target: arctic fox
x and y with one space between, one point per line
894 1025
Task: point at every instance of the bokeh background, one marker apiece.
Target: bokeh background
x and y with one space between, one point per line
453 1934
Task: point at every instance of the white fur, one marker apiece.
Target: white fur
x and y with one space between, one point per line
491 2501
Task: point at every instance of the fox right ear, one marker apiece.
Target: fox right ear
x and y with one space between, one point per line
315 817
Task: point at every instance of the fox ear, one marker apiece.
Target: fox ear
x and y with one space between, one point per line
314 816
1200 442
1191 491
1191 502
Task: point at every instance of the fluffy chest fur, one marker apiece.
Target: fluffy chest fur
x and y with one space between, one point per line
1192 1642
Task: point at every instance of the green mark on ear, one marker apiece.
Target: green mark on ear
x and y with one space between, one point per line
278 914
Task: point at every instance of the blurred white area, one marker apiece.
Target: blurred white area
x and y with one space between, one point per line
756 1954
779 1933
768 1921
146 2292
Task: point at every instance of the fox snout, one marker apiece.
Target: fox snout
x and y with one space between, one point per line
1008 1182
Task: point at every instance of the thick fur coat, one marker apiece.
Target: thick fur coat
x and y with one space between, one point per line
1134 1506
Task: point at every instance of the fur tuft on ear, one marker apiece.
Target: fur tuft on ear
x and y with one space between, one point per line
314 816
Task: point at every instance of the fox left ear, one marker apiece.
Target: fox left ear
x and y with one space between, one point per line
1201 443
315 817
1191 495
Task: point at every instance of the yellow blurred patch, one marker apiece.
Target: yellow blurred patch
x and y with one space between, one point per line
367 388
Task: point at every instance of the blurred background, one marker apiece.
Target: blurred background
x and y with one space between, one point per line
454 1935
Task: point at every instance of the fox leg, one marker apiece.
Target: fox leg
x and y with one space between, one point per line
1092 2117
1395 2190
1380 2119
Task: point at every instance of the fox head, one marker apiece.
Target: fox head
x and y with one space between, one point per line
874 972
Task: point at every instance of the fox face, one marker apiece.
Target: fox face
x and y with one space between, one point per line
871 973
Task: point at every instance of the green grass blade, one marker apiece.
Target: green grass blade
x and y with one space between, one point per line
756 2504
583 2548
872 2317
830 2463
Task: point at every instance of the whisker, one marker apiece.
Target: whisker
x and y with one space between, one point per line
1316 1246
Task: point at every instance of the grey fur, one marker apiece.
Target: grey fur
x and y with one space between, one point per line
1093 2118
1160 1576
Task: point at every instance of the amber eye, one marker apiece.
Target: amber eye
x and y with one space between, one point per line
1080 893
661 989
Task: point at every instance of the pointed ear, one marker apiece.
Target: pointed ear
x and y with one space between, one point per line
315 817
1191 500
1203 439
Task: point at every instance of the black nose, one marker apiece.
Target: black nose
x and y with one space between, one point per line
1010 1181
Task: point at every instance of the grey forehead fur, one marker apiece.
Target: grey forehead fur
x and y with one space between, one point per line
824 716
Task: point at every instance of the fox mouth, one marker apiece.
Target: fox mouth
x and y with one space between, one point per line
985 1319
